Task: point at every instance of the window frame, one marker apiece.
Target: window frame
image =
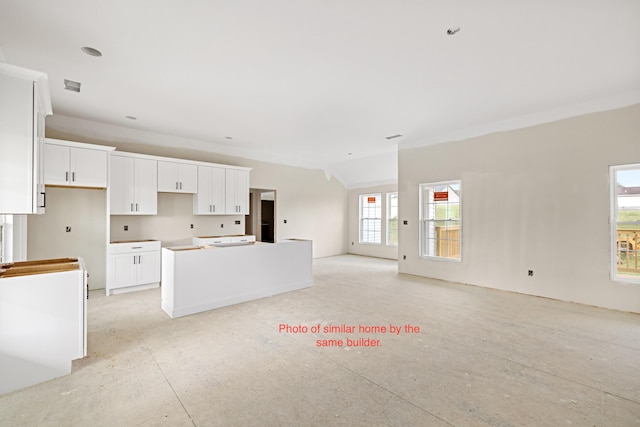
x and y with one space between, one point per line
422 252
613 222
361 219
389 196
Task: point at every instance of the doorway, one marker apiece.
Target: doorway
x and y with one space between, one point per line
261 221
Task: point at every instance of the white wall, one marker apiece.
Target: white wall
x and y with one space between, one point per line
84 211
533 199
353 244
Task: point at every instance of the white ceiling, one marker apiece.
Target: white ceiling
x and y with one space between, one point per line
307 82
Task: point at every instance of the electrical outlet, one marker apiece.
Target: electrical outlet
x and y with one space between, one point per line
68 229
285 221
405 222
351 243
221 225
530 273
404 257
237 222
191 226
126 228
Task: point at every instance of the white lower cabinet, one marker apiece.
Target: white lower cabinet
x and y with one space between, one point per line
133 266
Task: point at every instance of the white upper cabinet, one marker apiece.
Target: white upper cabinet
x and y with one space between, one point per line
133 185
174 177
237 191
24 103
210 197
75 165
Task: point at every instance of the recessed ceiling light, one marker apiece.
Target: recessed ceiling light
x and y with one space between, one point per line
228 137
451 31
91 51
71 85
348 154
394 136
131 117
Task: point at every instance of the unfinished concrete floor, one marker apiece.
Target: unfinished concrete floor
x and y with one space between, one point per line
481 357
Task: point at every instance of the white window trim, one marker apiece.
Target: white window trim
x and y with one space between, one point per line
613 193
421 219
388 218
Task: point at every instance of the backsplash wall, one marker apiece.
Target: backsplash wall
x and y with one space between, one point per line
172 224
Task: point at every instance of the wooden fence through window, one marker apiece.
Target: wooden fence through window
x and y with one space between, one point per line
627 251
448 242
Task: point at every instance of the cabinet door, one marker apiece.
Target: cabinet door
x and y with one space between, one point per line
242 192
56 164
123 270
17 186
188 178
202 198
146 187
168 177
148 266
237 191
121 179
88 168
218 200
210 197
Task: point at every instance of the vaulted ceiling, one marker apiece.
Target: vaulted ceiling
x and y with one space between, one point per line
320 83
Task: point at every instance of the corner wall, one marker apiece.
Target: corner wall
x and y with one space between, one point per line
536 199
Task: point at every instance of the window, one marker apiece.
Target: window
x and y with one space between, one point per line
625 208
371 218
440 220
392 219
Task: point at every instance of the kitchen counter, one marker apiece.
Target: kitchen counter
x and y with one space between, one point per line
43 320
199 277
27 268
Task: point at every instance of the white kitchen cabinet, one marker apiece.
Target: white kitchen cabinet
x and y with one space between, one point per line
133 185
210 197
237 191
133 266
174 177
24 103
80 165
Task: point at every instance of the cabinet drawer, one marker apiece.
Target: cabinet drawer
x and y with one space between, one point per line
211 240
243 239
126 247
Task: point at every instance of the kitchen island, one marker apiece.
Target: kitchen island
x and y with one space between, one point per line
200 278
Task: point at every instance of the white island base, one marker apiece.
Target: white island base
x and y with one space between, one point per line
196 279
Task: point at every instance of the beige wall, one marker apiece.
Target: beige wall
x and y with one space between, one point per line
85 211
353 245
533 199
314 207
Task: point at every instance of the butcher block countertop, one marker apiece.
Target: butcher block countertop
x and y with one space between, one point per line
26 268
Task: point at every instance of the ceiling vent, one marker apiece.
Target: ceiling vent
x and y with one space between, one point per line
394 136
71 85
